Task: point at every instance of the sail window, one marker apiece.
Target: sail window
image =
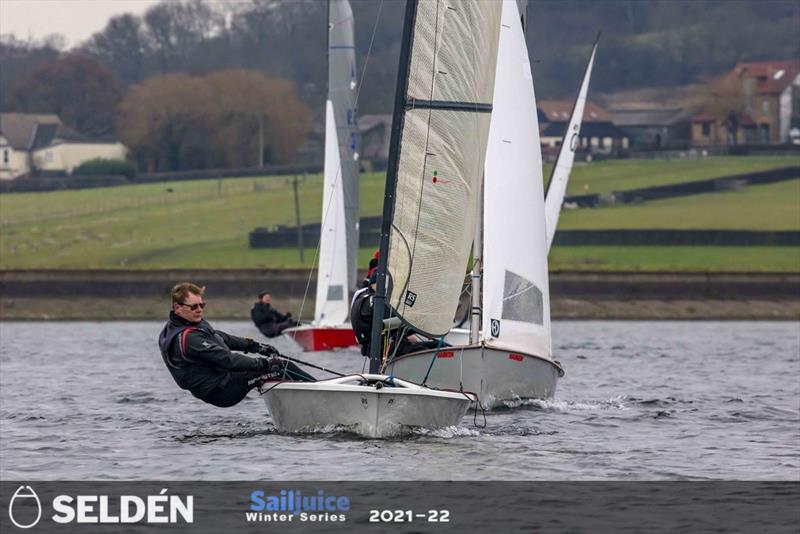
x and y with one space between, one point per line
522 300
335 292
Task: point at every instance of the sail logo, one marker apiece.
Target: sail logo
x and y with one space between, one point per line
411 298
25 509
495 328
573 142
288 505
23 502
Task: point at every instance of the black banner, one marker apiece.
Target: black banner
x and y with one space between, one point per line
94 507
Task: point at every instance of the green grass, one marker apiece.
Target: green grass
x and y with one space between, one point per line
205 224
783 259
618 175
760 207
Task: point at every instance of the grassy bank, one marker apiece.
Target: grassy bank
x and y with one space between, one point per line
205 223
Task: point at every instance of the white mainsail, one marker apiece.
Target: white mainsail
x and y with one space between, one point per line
516 295
332 283
441 158
557 187
342 87
338 247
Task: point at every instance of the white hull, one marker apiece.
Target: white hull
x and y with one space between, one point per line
499 377
363 409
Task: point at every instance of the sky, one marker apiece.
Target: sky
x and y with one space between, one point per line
77 20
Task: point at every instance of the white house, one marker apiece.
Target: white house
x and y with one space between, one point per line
41 142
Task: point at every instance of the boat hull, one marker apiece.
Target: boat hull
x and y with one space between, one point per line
316 338
363 409
499 377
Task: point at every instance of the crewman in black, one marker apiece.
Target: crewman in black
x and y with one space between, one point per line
361 320
270 321
199 358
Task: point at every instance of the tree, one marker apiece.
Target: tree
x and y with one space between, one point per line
177 122
78 88
122 45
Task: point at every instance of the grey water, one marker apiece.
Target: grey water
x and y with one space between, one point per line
640 401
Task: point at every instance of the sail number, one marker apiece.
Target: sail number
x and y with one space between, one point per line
408 516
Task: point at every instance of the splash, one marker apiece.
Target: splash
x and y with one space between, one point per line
559 405
448 432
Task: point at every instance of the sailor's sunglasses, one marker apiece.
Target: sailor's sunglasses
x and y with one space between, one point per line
193 307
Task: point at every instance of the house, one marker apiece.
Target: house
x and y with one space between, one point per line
654 128
32 144
375 134
598 134
753 103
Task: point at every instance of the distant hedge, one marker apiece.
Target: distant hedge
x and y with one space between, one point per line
105 167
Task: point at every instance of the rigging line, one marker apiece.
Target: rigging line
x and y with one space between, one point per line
433 359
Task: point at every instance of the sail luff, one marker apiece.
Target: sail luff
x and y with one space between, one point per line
559 177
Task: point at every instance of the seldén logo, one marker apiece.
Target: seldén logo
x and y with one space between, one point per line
23 506
289 505
25 509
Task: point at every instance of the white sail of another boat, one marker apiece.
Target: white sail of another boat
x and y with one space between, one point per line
332 303
338 246
342 89
516 295
557 186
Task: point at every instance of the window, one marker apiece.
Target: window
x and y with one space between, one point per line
5 156
48 156
765 106
706 129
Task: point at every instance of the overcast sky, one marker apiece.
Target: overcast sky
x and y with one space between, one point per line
75 19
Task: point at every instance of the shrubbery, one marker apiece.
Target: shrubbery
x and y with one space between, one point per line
105 167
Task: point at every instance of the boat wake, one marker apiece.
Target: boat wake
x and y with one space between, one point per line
560 405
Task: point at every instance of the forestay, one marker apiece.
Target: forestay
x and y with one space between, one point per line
516 296
557 187
332 302
441 157
342 87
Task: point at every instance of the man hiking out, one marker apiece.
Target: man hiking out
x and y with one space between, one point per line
200 358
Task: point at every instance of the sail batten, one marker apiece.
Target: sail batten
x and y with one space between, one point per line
445 124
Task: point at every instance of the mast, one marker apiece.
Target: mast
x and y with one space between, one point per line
379 303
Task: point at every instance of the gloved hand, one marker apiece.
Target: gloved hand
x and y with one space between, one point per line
273 367
267 350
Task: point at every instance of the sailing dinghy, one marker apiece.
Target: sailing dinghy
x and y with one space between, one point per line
439 132
338 248
508 355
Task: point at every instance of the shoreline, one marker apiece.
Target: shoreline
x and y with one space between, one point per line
575 295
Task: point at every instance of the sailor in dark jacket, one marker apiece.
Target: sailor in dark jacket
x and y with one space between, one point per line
270 321
199 358
361 319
